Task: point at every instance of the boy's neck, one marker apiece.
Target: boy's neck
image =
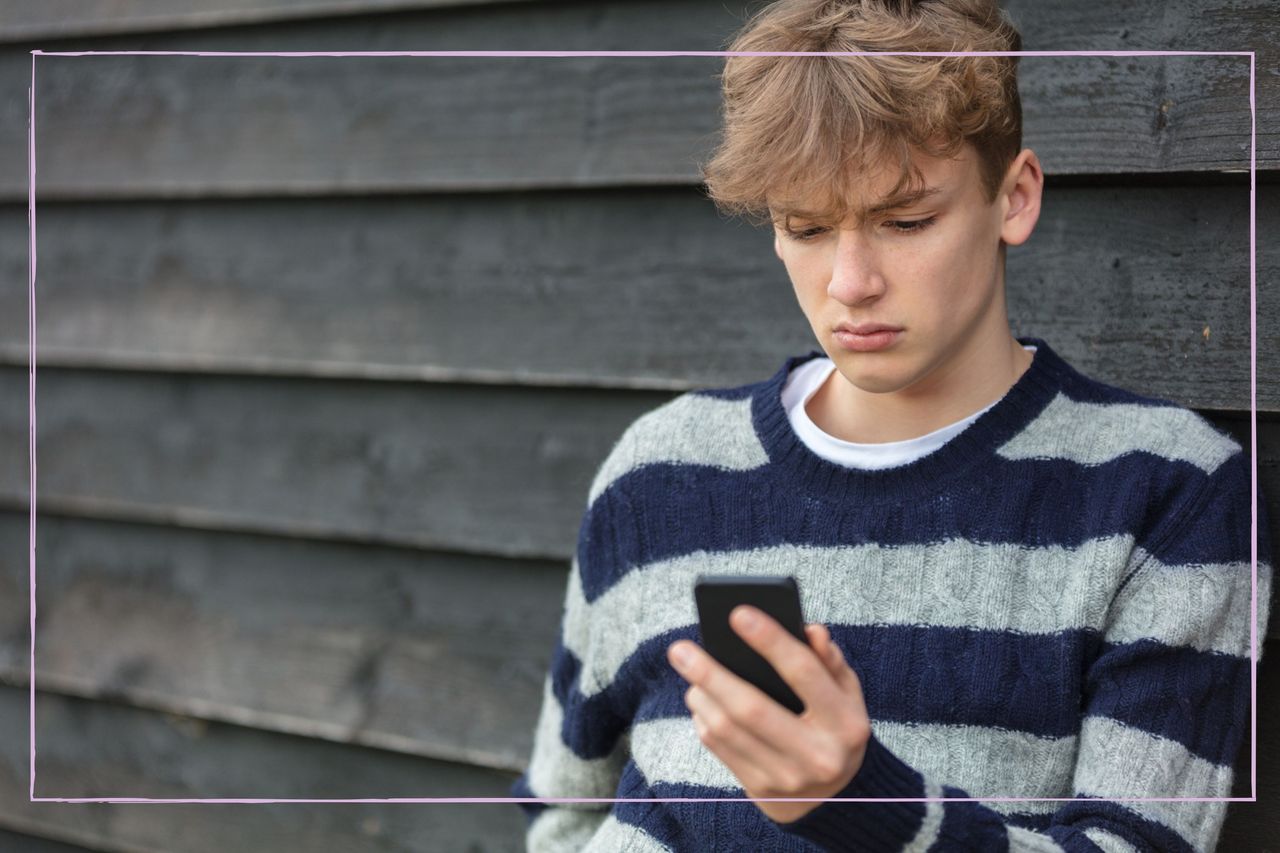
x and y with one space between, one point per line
968 384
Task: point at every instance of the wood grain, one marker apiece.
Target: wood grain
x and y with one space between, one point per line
477 469
50 19
101 749
130 126
430 654
636 289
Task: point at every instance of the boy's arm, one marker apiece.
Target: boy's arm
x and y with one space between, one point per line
581 743
579 747
1166 708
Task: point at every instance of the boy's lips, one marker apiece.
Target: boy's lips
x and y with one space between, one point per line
867 328
882 338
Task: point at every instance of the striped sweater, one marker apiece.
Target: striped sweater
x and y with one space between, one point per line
1055 603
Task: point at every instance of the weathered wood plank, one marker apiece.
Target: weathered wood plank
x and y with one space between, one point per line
495 470
436 655
185 126
20 842
492 470
1137 287
1191 25
48 19
99 749
642 289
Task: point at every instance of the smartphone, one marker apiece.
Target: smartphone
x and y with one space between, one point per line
779 596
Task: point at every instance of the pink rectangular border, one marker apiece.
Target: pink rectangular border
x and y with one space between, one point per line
1253 412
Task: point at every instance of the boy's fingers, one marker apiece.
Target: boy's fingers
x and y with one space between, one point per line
740 702
829 652
747 756
820 639
834 655
804 669
844 674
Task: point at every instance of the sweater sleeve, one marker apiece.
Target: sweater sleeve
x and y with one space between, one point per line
1165 710
578 747
581 743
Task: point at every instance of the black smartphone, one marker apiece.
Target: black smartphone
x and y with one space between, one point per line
779 596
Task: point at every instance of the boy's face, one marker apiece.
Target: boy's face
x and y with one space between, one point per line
931 268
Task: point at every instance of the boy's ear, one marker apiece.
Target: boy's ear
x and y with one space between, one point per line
777 244
1020 197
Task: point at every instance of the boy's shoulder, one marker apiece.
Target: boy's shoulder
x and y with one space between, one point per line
704 426
1091 422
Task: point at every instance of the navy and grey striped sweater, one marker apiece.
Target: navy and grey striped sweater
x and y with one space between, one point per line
1055 603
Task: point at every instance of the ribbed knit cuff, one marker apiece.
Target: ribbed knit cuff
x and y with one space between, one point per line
868 826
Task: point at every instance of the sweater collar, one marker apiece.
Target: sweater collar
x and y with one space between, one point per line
795 462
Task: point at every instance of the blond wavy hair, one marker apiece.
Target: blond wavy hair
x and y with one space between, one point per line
801 128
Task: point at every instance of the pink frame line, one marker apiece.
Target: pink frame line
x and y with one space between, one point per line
1253 412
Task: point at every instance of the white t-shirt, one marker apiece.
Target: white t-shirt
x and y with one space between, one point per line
803 383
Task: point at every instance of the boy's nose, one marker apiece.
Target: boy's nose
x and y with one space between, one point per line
855 274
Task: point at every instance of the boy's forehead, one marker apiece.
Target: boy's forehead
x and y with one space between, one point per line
875 190
808 208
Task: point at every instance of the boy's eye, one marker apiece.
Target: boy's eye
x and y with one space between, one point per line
806 234
901 226
909 226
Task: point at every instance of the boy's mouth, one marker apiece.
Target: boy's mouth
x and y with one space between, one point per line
870 342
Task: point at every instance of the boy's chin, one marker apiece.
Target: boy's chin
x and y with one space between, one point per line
874 379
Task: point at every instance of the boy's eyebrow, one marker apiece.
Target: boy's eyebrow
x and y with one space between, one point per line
903 199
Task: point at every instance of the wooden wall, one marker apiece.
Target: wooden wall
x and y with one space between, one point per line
329 350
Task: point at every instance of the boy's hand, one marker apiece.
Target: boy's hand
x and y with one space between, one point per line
773 752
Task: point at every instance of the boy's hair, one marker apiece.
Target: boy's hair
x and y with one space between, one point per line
801 128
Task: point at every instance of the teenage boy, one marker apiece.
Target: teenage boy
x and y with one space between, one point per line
1023 582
